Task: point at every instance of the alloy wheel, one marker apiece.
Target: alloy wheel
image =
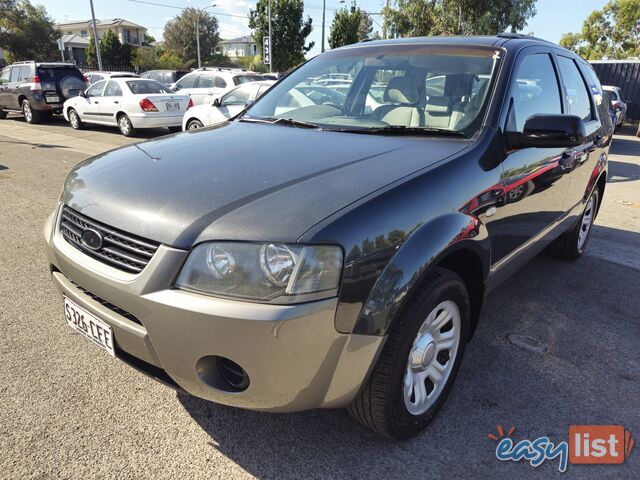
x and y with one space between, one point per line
125 125
26 110
74 120
587 222
432 357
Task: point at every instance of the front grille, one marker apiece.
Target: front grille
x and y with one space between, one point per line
114 308
120 250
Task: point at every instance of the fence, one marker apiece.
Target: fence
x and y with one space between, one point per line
626 75
109 68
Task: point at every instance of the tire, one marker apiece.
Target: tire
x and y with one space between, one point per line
125 126
3 114
175 129
389 402
74 120
194 124
30 115
572 244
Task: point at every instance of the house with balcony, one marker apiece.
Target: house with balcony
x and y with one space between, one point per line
238 47
75 35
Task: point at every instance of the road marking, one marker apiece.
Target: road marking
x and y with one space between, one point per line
40 137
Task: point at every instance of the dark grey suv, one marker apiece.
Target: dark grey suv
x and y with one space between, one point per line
329 255
38 89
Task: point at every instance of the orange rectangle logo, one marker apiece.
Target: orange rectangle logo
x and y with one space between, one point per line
590 444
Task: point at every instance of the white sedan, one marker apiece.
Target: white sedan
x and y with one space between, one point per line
129 104
225 107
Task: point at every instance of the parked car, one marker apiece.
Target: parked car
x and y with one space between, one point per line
619 104
223 108
205 84
168 77
614 113
129 104
94 77
328 256
38 89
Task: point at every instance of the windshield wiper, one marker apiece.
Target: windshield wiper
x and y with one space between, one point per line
280 121
403 130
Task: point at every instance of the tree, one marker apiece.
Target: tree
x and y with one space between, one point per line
112 52
349 26
148 39
180 36
612 32
456 17
289 31
26 32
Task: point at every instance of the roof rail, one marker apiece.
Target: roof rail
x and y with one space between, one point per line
521 36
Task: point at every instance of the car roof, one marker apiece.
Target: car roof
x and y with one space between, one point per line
506 40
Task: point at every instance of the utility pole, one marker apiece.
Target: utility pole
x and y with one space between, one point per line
270 42
95 36
324 8
199 12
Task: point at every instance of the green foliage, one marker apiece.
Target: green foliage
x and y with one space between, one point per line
112 52
253 63
26 32
155 58
289 31
349 26
456 17
612 32
148 39
180 36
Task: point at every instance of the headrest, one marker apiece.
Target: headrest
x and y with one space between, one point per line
438 105
458 85
401 90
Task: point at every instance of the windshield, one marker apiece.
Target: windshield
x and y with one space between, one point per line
382 88
146 87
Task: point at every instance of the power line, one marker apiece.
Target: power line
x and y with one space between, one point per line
183 8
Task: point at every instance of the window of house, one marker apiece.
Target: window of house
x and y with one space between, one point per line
83 33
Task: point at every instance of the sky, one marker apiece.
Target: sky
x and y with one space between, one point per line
554 17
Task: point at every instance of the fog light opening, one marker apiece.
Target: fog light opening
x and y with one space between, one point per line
222 373
233 374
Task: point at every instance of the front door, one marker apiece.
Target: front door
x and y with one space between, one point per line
111 102
534 181
5 77
89 107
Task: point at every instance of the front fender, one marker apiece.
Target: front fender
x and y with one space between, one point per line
415 258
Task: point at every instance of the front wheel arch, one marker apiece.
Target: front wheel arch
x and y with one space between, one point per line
446 242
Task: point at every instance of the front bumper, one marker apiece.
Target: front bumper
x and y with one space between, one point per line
293 355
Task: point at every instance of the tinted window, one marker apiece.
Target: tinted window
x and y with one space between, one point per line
188 81
96 89
238 79
576 91
206 81
146 86
49 74
536 89
5 75
113 90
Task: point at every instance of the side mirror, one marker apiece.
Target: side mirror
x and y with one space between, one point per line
217 102
82 94
549 131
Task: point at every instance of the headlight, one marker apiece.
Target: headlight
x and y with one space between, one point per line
271 272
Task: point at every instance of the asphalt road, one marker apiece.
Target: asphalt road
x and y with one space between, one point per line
558 344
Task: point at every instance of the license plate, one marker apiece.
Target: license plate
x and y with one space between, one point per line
89 326
52 99
173 106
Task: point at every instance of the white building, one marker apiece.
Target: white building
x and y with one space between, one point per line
238 47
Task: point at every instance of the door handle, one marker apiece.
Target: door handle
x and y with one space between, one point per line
95 102
116 101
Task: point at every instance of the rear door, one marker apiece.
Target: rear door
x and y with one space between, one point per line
583 97
62 82
535 181
187 85
19 75
209 87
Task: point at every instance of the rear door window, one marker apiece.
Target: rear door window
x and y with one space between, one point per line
220 82
206 81
113 89
575 89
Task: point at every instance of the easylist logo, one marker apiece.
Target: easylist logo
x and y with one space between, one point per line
590 444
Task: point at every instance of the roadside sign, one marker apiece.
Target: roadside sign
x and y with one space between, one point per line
266 51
